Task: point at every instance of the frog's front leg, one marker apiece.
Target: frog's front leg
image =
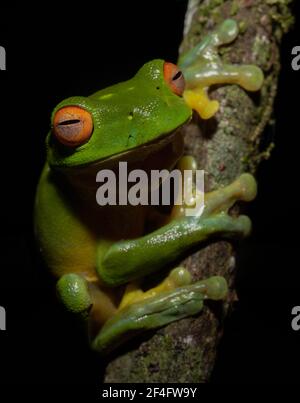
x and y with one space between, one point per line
127 260
174 298
158 310
202 67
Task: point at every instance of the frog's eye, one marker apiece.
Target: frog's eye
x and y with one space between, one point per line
174 78
72 125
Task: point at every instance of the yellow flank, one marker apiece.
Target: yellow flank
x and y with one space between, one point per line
132 294
198 100
104 306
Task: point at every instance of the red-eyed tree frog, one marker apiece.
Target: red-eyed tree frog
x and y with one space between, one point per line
104 256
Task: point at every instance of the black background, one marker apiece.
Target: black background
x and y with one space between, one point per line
54 53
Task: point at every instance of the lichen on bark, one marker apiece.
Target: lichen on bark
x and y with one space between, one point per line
225 146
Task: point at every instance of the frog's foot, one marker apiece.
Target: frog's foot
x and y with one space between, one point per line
203 67
215 218
244 188
177 277
157 311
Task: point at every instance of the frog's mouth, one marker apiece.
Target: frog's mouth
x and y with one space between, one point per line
162 153
135 155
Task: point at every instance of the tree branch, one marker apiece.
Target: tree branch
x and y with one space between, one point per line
225 147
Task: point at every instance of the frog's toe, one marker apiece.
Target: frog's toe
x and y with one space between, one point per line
230 227
216 287
250 77
198 100
207 48
187 162
226 32
248 187
243 225
180 276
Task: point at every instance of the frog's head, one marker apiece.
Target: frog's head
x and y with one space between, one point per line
119 118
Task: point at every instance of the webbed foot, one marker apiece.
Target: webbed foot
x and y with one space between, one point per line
157 311
203 67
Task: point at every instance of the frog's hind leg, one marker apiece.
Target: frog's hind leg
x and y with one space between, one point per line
158 310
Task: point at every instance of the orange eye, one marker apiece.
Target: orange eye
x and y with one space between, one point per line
174 78
72 125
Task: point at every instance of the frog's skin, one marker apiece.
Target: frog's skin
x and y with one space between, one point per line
101 255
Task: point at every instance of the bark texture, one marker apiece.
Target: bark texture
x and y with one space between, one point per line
231 143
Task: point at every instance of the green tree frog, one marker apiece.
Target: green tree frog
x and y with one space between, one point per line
103 257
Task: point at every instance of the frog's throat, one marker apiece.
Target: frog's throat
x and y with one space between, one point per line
133 154
163 153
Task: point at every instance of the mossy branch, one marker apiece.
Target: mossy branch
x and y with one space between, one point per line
225 147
